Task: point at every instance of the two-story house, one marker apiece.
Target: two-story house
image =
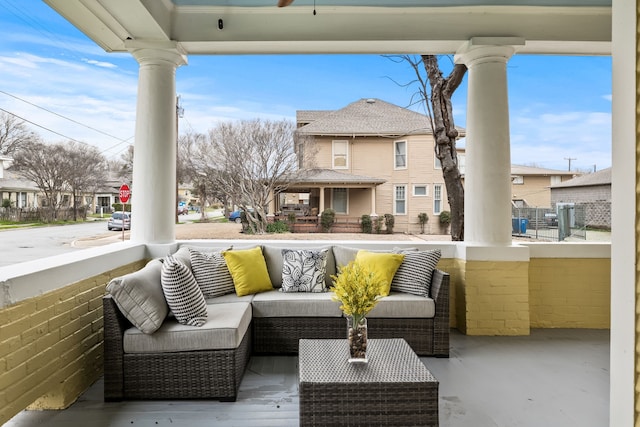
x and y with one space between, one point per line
371 157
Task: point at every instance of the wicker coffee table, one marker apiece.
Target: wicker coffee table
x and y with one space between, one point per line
393 389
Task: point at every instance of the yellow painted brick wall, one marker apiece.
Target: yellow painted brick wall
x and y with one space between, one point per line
51 345
570 293
496 295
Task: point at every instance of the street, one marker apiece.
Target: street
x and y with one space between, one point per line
26 244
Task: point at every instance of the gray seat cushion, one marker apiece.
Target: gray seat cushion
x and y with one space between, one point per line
295 304
402 305
225 327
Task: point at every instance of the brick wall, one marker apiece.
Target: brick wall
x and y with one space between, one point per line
51 345
596 199
496 298
582 299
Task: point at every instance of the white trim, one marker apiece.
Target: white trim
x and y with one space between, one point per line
441 199
395 200
333 205
406 154
426 190
333 153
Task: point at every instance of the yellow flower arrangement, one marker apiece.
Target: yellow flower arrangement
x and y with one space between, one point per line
358 289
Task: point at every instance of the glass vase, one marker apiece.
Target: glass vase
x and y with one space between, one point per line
357 339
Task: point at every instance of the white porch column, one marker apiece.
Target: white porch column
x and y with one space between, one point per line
321 207
373 201
154 161
487 217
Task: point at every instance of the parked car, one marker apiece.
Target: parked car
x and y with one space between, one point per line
116 220
183 210
235 216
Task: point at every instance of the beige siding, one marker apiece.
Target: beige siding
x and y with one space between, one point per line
374 157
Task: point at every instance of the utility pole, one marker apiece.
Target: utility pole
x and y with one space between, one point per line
179 115
570 158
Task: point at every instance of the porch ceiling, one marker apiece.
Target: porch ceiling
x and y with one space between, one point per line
354 26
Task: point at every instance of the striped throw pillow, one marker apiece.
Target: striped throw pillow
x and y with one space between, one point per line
211 273
182 293
415 272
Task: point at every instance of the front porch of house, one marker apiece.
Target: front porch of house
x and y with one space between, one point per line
552 378
52 325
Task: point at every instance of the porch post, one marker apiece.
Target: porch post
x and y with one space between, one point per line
495 272
154 161
487 217
321 207
373 201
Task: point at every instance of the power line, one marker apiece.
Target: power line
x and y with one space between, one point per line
42 127
63 117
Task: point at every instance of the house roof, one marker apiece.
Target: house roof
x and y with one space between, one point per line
602 177
13 181
332 177
531 170
364 117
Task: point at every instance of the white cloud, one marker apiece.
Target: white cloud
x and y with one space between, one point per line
546 139
100 63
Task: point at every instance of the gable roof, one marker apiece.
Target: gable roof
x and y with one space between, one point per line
602 177
330 176
532 170
364 117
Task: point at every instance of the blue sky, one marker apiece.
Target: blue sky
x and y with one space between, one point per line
54 76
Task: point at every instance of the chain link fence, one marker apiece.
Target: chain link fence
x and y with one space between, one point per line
548 225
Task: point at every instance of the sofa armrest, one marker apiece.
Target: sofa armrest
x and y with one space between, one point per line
114 326
439 290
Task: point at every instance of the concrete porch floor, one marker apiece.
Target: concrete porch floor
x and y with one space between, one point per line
554 377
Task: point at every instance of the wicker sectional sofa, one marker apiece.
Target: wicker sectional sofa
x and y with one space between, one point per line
159 358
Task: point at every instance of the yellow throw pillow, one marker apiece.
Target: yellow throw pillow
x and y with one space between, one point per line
384 265
248 270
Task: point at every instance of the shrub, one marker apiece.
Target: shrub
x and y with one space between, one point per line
365 223
389 222
118 207
445 217
6 203
277 227
423 218
291 217
327 219
377 224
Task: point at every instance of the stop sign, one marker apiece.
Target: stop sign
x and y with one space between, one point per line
124 194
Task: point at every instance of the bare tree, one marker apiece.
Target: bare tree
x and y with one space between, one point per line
436 92
45 165
248 161
85 169
13 134
125 166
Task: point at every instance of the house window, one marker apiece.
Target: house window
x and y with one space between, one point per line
400 154
399 200
556 179
420 190
339 200
437 199
340 154
517 179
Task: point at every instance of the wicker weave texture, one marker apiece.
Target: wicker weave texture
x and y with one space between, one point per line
393 389
184 375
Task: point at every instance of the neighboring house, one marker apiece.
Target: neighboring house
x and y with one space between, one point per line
371 157
593 191
530 186
21 192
